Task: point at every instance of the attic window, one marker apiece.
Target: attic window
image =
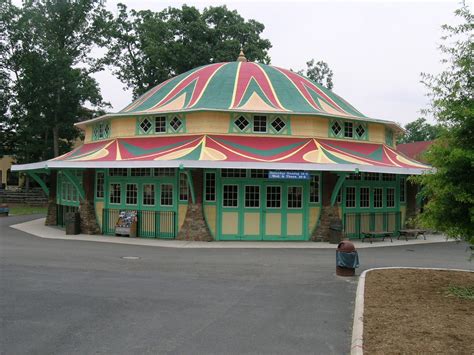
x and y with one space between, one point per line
260 124
360 130
160 124
278 124
348 129
336 128
176 124
241 122
145 125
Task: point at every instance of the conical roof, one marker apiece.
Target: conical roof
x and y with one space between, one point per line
242 86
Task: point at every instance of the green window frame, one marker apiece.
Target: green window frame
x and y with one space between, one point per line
389 136
131 194
100 185
183 187
166 196
149 194
351 197
230 196
274 196
252 196
344 129
273 124
115 193
364 194
210 187
315 189
294 197
378 197
161 124
101 130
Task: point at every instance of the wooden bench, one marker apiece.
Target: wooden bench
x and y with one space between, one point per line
414 233
377 234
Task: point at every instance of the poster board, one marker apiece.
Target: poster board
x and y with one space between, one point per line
126 223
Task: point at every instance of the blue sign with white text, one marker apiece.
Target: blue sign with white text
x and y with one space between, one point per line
291 175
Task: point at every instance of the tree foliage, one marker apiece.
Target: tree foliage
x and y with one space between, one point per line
147 48
420 131
46 51
318 72
450 190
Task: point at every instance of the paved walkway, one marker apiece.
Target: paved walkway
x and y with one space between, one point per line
82 297
36 227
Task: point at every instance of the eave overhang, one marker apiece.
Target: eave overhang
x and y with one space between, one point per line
235 151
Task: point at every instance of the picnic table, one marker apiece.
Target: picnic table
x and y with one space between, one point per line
412 233
377 234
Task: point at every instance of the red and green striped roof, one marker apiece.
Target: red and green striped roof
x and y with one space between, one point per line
242 86
236 151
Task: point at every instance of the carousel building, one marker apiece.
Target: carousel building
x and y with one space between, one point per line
233 151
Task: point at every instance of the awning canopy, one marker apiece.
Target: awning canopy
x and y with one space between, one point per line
235 151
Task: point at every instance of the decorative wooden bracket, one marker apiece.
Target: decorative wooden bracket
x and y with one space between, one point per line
337 187
75 181
39 180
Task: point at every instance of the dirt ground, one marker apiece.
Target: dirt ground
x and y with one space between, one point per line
412 312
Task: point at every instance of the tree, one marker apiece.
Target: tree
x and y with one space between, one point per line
318 72
47 57
450 189
147 48
420 131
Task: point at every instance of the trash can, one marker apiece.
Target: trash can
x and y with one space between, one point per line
73 223
347 259
335 231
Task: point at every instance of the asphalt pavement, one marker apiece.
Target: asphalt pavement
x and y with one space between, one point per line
80 297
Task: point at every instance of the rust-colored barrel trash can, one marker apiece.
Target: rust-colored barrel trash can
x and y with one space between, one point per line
347 259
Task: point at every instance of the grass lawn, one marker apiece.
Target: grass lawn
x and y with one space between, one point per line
419 311
23 209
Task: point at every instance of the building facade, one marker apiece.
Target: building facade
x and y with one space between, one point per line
234 151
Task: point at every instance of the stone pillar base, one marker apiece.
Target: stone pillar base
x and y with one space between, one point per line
194 226
89 223
52 214
328 214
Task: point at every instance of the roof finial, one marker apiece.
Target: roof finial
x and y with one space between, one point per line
241 57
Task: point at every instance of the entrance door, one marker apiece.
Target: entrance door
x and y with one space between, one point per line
285 216
263 210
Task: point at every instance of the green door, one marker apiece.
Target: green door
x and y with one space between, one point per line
284 211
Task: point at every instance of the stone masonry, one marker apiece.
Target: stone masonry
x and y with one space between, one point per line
194 226
328 215
89 223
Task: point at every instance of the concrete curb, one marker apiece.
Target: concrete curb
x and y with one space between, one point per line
37 228
357 343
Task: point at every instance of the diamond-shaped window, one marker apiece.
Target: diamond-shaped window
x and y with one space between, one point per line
241 122
278 124
336 128
176 123
145 125
360 130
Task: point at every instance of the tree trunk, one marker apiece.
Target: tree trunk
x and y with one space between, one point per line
56 141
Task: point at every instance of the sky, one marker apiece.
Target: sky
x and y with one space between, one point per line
376 49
